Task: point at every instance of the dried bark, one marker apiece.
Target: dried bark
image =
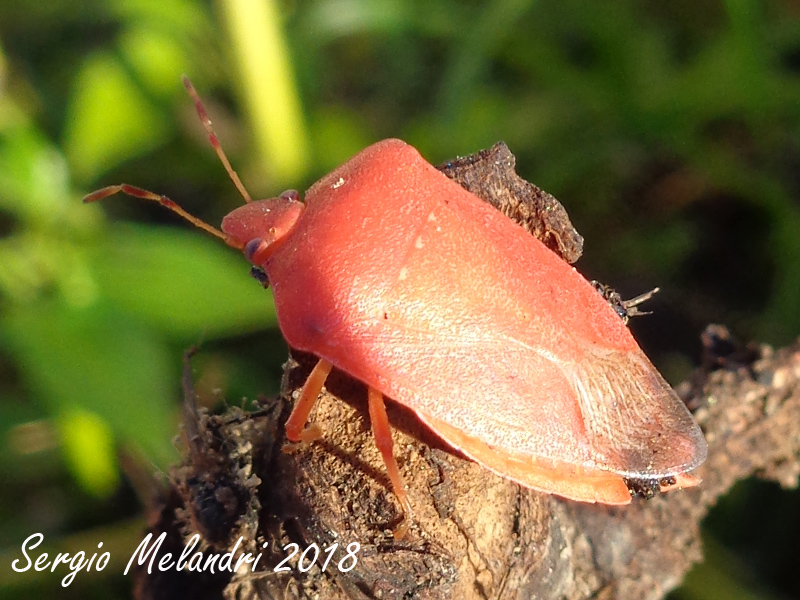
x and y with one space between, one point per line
490 175
474 535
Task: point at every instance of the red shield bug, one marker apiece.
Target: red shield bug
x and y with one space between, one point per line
399 277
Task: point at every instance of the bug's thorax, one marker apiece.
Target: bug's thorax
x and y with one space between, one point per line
258 228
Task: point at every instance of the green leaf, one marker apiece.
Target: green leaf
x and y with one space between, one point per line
180 282
33 176
157 58
99 361
109 119
88 445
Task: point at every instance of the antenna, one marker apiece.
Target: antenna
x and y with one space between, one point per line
136 192
212 137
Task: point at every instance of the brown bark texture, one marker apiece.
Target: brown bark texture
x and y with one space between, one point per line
474 535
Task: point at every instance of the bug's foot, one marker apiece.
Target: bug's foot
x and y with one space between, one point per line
401 530
310 434
306 436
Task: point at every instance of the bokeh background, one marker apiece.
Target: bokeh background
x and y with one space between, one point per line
670 131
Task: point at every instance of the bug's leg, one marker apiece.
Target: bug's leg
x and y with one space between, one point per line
296 430
680 481
383 440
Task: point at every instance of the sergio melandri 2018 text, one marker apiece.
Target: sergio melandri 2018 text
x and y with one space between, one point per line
190 559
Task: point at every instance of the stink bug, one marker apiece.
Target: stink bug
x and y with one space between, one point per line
399 277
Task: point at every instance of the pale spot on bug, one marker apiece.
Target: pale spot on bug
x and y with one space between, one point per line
418 243
339 183
431 217
403 274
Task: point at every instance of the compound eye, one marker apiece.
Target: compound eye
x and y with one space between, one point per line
290 195
252 247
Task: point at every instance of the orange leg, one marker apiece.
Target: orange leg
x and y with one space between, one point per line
682 481
296 430
383 440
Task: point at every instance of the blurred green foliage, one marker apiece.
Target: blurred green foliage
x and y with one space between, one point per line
671 131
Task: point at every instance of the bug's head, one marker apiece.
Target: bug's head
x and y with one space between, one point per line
259 227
